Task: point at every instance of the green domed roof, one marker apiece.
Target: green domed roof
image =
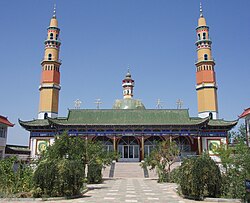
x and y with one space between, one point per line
128 104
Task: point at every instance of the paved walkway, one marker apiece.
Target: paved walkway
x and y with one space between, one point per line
127 190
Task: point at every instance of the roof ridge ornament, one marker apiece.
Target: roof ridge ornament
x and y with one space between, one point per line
201 10
77 104
159 104
98 103
179 103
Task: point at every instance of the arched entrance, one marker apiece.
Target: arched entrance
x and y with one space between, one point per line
150 143
107 142
184 144
128 149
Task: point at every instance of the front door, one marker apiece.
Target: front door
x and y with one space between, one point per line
128 149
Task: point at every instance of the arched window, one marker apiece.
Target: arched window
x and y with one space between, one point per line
211 115
56 36
46 115
205 57
51 35
199 36
49 57
204 35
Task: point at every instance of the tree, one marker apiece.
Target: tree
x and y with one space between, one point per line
97 158
236 164
162 158
240 134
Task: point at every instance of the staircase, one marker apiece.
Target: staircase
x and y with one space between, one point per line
130 170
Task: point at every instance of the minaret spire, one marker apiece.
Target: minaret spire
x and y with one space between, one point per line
201 11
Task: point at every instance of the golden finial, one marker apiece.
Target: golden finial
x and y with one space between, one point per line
201 14
54 12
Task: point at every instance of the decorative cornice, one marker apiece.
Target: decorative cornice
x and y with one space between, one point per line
49 86
206 85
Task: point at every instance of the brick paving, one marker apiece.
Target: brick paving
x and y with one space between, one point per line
126 190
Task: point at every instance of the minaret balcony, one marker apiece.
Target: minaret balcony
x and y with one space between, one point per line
52 42
51 60
203 41
202 27
203 60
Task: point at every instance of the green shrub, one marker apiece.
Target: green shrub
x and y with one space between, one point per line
175 175
200 177
94 173
58 178
15 176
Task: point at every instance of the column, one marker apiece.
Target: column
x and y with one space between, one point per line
114 143
199 145
142 148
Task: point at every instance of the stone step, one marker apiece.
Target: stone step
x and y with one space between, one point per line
106 171
128 170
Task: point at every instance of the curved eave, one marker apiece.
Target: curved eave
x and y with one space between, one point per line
5 121
226 124
29 125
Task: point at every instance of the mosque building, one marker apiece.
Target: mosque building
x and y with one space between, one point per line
129 128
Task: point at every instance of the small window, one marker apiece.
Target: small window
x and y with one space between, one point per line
56 36
204 35
205 57
51 35
199 36
49 57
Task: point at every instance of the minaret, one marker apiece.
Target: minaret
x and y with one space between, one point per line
50 80
205 75
128 86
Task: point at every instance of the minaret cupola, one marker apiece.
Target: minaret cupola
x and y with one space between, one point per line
128 86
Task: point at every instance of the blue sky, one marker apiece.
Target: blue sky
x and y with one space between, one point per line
101 37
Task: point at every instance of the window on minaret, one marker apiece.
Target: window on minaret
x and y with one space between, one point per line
49 57
204 35
205 57
56 36
199 36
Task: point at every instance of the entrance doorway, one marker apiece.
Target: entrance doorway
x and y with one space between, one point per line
128 149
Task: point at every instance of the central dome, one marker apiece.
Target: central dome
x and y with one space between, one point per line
128 103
